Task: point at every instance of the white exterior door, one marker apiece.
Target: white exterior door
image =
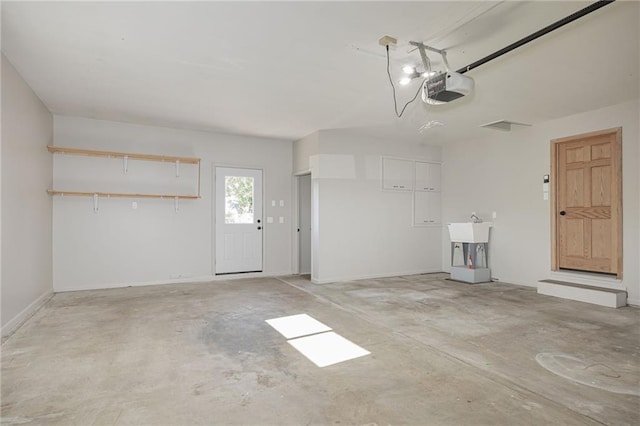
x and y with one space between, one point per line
238 195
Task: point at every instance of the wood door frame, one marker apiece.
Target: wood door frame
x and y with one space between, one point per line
616 163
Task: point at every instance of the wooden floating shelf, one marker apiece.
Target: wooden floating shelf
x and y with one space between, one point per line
131 155
121 194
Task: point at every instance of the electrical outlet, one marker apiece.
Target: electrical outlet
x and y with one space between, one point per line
134 205
281 203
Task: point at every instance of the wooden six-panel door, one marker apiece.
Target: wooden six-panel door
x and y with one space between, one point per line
586 212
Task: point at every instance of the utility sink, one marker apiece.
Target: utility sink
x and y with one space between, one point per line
469 232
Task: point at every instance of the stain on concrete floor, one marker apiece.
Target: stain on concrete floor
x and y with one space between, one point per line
619 379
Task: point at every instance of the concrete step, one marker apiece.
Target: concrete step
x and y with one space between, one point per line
608 297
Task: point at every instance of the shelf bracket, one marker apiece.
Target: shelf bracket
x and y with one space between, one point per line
95 203
177 168
125 164
177 203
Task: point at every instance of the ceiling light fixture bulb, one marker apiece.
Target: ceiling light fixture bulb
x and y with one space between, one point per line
408 69
427 74
404 81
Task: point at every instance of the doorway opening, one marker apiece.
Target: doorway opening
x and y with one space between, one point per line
303 225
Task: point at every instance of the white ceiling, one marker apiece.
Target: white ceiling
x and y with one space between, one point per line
287 69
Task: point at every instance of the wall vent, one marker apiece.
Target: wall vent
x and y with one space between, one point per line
503 125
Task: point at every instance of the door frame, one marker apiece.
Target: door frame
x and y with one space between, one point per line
214 220
295 246
616 162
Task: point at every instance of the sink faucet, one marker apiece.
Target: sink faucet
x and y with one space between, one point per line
475 218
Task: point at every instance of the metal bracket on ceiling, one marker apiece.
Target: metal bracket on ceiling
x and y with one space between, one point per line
422 48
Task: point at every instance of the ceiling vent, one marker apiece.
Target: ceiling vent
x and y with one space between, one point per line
503 125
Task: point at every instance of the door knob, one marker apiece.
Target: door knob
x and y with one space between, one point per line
259 228
562 213
258 220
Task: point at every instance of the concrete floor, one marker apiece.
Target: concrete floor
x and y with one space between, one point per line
442 352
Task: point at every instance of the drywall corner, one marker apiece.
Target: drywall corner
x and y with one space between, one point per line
14 323
27 173
303 149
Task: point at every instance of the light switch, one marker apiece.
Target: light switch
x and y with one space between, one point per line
281 203
281 219
494 215
269 219
273 203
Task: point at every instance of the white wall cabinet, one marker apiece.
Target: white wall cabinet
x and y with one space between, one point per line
397 174
427 176
427 202
427 208
422 179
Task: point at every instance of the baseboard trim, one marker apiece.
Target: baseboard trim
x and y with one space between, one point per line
196 279
16 322
634 302
356 277
252 275
107 286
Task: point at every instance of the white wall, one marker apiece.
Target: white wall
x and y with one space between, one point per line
359 230
27 129
303 150
119 246
503 172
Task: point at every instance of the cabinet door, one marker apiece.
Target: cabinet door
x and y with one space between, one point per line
426 208
397 174
427 176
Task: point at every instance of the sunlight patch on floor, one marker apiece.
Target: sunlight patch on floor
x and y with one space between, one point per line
315 340
327 348
297 326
